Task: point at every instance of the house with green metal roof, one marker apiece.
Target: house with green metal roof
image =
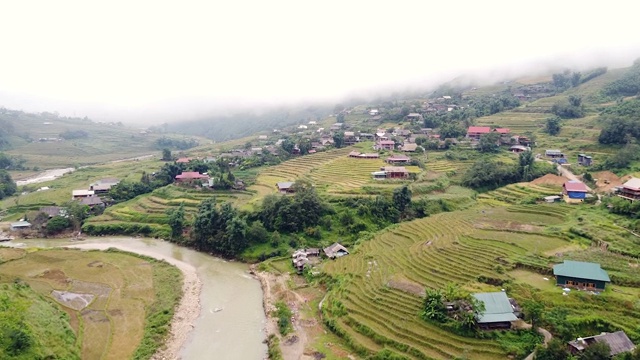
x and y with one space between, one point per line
498 311
580 275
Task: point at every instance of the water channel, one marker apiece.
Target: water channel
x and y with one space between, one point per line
231 320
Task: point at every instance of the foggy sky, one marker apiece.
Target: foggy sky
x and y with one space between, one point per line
158 61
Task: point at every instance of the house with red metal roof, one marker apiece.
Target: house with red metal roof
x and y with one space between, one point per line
575 189
474 132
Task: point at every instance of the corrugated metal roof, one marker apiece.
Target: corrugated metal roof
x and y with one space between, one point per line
497 307
632 184
575 185
581 270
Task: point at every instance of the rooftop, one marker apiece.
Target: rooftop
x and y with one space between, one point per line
191 175
284 185
632 184
479 129
575 186
618 342
497 307
581 270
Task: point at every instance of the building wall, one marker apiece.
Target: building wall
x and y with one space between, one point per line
576 195
563 281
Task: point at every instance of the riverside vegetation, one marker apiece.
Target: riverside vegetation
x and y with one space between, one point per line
469 218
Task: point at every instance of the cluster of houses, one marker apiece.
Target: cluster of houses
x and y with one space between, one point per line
630 190
304 257
93 196
501 311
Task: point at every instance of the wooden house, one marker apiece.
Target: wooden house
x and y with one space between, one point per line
585 160
498 311
20 225
395 172
191 176
409 147
553 153
630 190
580 275
386 145
398 159
285 187
618 343
335 251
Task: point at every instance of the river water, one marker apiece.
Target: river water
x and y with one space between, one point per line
234 332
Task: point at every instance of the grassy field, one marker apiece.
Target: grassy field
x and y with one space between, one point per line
383 281
123 292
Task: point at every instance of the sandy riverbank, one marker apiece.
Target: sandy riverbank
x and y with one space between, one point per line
184 316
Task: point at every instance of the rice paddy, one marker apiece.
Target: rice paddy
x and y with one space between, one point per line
384 278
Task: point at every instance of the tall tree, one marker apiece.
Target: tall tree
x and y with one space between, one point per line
402 198
553 125
7 185
489 142
176 221
338 139
166 155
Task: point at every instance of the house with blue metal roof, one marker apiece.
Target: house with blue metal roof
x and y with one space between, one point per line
498 311
580 275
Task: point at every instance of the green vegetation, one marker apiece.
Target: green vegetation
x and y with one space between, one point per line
283 314
7 185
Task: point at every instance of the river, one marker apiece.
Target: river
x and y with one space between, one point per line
234 332
46 175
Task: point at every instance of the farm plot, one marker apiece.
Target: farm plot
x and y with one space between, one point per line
429 252
106 295
517 122
517 193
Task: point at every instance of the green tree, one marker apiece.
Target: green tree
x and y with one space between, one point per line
489 142
553 125
533 311
288 146
526 163
257 233
597 351
176 221
7 186
57 224
340 117
77 213
556 350
338 139
166 155
402 198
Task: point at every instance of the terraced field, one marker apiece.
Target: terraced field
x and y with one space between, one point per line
518 122
150 210
331 171
516 193
385 278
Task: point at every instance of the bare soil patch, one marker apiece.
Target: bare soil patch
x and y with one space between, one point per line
550 179
407 286
76 301
56 275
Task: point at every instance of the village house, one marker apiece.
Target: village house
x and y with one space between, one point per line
358 155
391 172
518 148
584 160
263 137
498 311
367 136
335 251
52 211
20 225
618 343
92 201
401 132
474 132
103 186
79 194
183 160
191 176
285 187
385 145
398 159
312 123
553 153
336 126
414 117
630 190
580 275
302 126
350 138
409 147
374 112
575 190
300 258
